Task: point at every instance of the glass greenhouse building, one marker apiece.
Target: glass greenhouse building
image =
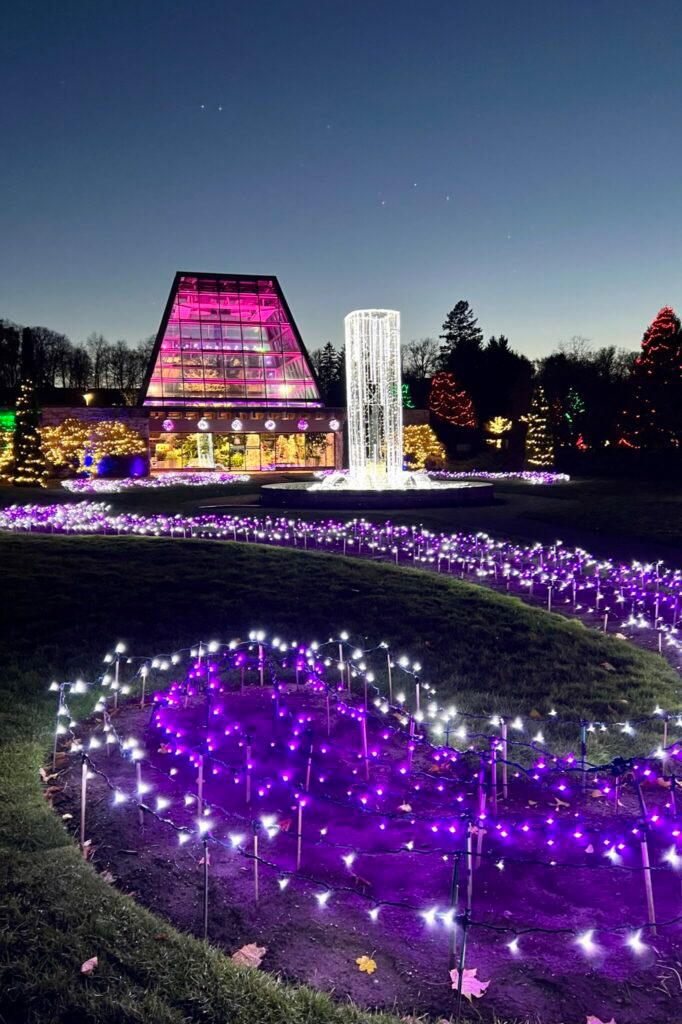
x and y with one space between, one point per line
230 384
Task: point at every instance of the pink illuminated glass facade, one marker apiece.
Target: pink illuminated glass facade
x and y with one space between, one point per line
229 341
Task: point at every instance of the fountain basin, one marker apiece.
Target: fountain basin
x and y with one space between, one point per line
438 495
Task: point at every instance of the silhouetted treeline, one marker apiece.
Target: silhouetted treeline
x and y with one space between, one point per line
59 363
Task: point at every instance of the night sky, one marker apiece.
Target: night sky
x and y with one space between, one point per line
524 155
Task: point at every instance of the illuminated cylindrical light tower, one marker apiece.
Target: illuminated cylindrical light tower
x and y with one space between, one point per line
374 397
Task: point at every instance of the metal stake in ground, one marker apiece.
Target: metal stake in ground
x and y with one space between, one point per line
583 753
255 861
309 764
143 672
646 867
60 702
460 968
299 836
84 794
390 676
205 888
138 778
470 867
200 786
493 773
454 899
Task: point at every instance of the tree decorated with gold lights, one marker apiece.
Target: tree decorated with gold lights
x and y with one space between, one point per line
539 439
653 418
82 445
450 402
422 448
29 460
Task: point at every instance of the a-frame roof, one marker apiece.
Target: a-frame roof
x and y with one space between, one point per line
228 340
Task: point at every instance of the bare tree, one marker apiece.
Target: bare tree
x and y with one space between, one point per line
420 358
98 350
577 348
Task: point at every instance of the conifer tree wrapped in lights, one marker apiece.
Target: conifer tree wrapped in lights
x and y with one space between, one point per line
29 460
654 416
450 402
422 448
539 440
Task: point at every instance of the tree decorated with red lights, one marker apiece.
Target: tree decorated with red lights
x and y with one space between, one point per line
653 418
450 402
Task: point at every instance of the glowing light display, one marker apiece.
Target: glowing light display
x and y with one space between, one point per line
229 340
407 812
374 396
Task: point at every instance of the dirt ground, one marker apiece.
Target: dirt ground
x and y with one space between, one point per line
550 980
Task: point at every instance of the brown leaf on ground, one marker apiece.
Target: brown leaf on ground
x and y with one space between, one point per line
249 955
88 966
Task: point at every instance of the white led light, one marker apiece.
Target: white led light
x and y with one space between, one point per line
430 915
634 941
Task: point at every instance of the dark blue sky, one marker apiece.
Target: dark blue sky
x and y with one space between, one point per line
552 126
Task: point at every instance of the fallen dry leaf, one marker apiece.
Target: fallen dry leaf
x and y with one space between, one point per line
608 666
366 964
208 858
165 748
405 807
284 825
44 776
596 794
249 955
107 876
89 965
595 1020
560 803
471 986
67 817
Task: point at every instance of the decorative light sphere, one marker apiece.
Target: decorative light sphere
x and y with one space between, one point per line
270 424
334 424
236 424
168 424
203 423
302 424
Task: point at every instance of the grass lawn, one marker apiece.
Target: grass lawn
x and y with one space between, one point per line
65 600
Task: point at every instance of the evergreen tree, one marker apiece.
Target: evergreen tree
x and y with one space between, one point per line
460 349
330 368
505 385
539 440
29 461
450 402
653 418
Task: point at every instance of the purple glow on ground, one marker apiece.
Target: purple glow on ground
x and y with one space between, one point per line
383 825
